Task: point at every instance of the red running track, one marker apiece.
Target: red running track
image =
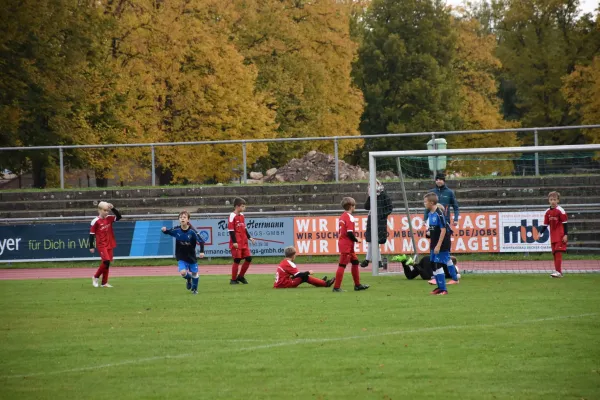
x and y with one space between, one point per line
495 266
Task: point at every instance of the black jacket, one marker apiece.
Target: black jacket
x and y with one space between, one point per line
384 209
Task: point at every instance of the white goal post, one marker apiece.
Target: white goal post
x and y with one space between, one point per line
375 155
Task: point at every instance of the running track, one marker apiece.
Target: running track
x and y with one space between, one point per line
492 266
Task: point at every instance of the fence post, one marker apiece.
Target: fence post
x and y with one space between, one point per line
435 159
153 166
537 159
62 167
245 180
335 156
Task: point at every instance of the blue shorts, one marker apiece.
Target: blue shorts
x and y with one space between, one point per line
193 268
443 257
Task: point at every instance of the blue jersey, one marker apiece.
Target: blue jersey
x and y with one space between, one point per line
437 221
185 243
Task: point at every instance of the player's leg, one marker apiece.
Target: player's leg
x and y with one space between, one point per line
367 260
98 273
182 266
236 254
339 274
193 268
408 272
107 258
356 273
439 260
247 256
557 251
316 281
452 271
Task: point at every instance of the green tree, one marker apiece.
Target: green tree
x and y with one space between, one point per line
404 69
582 90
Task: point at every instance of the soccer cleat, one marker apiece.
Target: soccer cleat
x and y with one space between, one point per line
94 281
107 285
432 282
337 290
188 284
452 282
233 282
442 293
324 278
364 264
400 258
556 275
330 282
361 287
194 291
436 291
241 279
410 261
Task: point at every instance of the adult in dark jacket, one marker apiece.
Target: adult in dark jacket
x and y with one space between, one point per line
384 209
446 198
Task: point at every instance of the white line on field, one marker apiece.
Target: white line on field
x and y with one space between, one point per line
300 341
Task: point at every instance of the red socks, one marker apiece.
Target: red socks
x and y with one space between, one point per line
245 267
355 275
316 281
558 262
234 271
102 270
339 276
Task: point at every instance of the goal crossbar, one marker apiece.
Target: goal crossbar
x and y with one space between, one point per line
374 155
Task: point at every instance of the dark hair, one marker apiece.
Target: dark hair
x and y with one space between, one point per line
238 201
348 202
440 177
185 212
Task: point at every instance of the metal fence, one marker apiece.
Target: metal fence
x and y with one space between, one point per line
535 131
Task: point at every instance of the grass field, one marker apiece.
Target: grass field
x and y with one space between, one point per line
493 337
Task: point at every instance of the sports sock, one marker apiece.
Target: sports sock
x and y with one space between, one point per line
558 262
187 276
234 270
316 281
245 267
440 277
355 275
339 276
105 275
195 283
452 271
99 270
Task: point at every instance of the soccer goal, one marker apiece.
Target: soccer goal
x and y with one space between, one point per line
502 195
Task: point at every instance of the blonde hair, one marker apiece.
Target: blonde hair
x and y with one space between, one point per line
103 205
554 194
432 197
348 202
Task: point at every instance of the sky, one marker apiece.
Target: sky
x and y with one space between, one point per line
587 6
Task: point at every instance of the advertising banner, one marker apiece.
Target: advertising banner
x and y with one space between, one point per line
519 232
475 233
272 235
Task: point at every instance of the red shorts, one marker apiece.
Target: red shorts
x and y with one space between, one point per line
106 254
559 246
346 258
292 283
240 253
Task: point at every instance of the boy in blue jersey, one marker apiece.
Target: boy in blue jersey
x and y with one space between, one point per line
439 235
186 240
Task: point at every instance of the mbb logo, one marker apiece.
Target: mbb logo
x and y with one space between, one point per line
525 233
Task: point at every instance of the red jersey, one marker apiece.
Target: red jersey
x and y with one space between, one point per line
102 228
345 225
237 224
555 218
285 273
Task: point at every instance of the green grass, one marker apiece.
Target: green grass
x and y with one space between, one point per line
493 337
151 262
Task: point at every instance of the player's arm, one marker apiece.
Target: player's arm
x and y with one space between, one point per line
350 234
167 231
249 237
92 241
117 213
199 242
564 220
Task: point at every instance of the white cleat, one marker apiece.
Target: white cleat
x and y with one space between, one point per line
94 282
107 285
556 275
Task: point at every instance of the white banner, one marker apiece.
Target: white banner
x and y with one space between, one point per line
519 231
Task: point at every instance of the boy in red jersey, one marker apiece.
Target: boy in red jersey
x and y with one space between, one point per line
556 219
346 240
288 275
103 238
238 242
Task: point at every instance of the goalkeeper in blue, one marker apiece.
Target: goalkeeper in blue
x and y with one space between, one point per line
186 240
439 236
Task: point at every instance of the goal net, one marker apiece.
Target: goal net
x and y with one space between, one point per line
501 196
